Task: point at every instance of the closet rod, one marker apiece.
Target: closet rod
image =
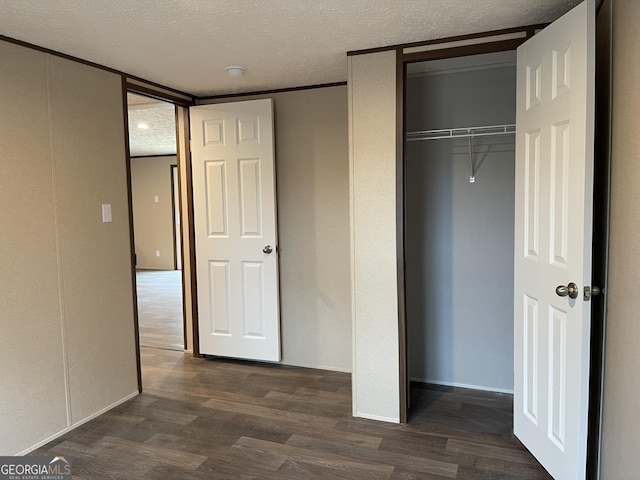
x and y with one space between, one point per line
461 132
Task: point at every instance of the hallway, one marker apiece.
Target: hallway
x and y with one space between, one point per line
160 317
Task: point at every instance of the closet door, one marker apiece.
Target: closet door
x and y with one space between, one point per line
553 230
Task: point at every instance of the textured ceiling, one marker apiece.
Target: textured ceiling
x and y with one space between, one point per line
160 117
185 44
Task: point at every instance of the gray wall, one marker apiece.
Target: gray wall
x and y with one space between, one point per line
459 235
621 420
153 222
313 226
67 349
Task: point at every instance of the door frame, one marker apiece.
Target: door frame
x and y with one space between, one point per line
451 47
498 41
182 102
185 179
175 211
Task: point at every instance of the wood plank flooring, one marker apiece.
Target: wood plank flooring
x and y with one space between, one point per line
160 308
221 419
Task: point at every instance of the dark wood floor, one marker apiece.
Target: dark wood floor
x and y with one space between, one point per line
160 308
214 419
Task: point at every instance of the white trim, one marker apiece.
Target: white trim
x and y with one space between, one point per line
77 424
333 369
463 385
317 367
377 417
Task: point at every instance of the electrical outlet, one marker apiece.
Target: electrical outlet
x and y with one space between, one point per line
157 253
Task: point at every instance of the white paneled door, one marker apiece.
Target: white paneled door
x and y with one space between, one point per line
232 154
554 197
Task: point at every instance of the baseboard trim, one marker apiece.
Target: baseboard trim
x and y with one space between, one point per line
77 424
333 369
376 417
318 367
463 385
282 363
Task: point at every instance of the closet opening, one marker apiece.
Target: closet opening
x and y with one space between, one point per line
459 182
450 272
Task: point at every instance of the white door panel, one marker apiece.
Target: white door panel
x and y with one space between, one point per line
553 230
235 219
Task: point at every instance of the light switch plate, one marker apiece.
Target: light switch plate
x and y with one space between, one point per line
106 213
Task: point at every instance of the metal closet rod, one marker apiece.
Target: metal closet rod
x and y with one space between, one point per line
461 132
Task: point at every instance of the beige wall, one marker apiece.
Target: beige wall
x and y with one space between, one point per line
67 349
313 226
153 222
621 420
372 163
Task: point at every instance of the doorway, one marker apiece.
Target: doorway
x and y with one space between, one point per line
156 222
459 158
597 320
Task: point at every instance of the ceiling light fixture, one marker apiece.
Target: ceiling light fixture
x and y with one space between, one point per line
235 71
143 126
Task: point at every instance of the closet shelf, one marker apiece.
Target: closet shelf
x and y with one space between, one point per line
473 136
461 132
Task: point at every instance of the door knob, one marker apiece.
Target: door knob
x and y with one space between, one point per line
570 290
590 292
267 249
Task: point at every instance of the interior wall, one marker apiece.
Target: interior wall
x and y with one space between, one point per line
311 142
621 416
372 163
459 235
67 349
88 152
153 221
30 282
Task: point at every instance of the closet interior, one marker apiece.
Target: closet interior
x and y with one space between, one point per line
459 161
